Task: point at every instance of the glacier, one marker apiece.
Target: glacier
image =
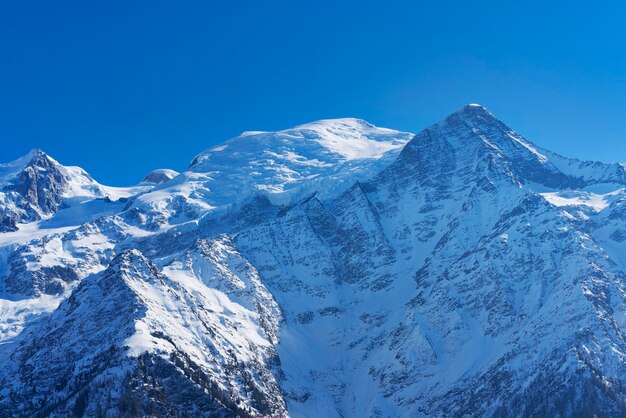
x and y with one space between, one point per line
333 269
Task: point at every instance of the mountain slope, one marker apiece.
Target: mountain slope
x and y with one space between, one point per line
324 157
137 333
333 269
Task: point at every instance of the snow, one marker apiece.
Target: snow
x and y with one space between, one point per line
530 148
8 171
169 172
19 313
31 231
80 183
117 193
322 157
160 175
352 139
400 295
68 219
597 202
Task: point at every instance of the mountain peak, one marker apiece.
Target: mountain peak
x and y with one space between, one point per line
295 162
36 152
335 139
10 172
132 266
472 138
474 106
474 111
128 258
12 168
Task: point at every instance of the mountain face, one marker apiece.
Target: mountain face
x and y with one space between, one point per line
333 269
35 185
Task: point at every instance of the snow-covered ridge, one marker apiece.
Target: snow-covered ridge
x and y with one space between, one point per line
321 157
339 139
79 183
584 198
35 187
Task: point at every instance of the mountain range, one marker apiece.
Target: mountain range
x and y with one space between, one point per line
334 269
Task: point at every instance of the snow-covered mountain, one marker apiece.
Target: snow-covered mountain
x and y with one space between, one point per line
333 269
34 187
324 157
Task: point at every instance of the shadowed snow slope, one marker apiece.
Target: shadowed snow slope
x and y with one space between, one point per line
334 269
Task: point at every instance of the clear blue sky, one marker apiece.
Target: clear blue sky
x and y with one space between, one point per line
123 87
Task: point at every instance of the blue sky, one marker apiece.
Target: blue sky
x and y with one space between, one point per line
121 88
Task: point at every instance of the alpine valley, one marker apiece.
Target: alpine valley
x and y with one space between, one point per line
335 269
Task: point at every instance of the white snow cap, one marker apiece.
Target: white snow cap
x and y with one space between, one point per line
160 175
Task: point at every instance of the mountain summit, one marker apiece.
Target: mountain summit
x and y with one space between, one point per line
333 269
34 187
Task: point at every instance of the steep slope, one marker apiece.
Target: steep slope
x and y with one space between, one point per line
158 346
48 257
504 293
34 187
485 285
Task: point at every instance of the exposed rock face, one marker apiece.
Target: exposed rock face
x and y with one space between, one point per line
35 191
467 272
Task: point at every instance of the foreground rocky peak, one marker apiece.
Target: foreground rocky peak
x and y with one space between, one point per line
137 332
